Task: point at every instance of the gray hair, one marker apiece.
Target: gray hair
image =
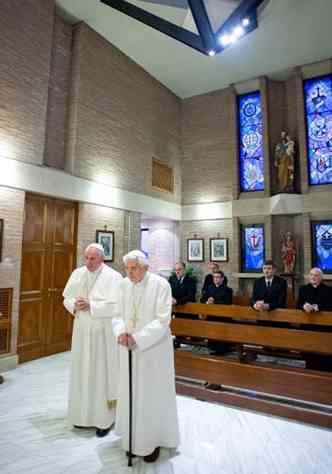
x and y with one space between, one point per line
96 246
318 270
137 255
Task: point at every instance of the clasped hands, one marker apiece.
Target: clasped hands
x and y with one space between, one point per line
261 306
82 304
127 340
310 308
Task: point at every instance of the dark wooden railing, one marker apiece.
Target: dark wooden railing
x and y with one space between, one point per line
284 390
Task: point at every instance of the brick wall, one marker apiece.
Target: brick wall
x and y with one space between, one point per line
120 117
209 147
206 230
92 218
12 212
58 94
26 29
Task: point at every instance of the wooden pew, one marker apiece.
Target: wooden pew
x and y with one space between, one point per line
291 392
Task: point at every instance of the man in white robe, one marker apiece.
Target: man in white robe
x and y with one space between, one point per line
145 303
90 295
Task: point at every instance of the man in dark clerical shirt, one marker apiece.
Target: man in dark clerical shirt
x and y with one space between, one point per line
208 280
183 287
315 296
270 291
218 292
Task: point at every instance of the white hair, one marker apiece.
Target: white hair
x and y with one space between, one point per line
96 246
318 270
137 255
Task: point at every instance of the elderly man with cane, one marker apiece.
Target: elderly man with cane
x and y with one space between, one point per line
143 333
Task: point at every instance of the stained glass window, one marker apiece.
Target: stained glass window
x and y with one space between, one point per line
251 142
322 245
253 248
318 108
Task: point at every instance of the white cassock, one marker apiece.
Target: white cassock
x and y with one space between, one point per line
155 420
94 353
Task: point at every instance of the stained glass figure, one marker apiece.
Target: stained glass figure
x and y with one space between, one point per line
318 110
253 248
322 245
251 142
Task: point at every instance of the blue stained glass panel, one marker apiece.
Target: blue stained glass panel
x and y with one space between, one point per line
318 108
253 254
251 142
322 243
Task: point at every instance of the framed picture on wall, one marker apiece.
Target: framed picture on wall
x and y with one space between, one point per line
106 239
195 250
253 247
321 232
219 250
1 237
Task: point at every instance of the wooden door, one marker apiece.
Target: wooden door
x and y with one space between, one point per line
48 258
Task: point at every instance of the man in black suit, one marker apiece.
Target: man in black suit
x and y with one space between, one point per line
270 291
183 287
314 297
183 291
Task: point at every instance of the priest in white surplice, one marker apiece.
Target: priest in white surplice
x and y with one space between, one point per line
90 295
145 304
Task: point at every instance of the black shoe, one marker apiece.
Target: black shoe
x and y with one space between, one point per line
101 432
153 456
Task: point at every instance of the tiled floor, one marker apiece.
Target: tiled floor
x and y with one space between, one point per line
34 437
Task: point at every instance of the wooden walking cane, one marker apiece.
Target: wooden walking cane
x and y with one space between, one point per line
130 454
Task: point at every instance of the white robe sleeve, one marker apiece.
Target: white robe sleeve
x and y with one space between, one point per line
70 292
118 323
151 334
107 308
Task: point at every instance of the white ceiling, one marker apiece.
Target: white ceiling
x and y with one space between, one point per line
290 33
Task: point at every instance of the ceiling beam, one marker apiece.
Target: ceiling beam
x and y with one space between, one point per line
203 24
164 26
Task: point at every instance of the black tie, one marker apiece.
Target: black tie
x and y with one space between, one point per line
269 284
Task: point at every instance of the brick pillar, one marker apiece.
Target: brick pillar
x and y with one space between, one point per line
132 231
307 247
263 86
301 127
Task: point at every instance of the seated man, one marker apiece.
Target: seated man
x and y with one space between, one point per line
217 293
314 297
183 286
183 291
208 280
270 291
